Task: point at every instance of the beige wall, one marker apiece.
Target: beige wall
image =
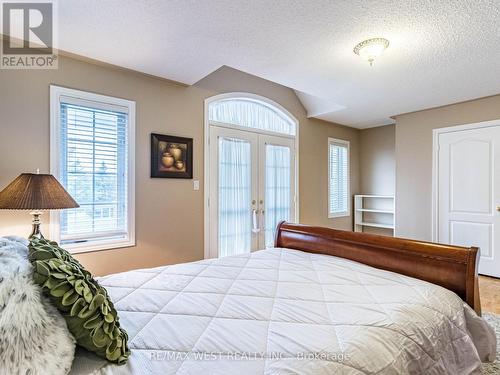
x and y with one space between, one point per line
313 143
377 160
377 168
398 159
414 159
314 172
169 214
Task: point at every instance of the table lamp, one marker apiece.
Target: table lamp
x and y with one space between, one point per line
35 192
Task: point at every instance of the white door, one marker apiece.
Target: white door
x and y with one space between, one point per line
469 193
252 188
276 185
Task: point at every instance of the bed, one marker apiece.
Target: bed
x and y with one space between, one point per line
322 301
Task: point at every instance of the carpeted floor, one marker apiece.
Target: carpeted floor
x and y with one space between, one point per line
493 368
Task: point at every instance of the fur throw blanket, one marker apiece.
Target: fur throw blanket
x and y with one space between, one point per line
34 338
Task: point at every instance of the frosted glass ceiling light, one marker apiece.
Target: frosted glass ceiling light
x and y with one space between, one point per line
370 49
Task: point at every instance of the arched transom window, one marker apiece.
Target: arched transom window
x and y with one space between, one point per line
251 113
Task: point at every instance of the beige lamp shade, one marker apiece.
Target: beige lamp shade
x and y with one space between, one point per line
35 192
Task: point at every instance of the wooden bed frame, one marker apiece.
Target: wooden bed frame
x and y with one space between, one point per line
452 267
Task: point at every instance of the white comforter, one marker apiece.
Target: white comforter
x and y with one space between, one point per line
282 311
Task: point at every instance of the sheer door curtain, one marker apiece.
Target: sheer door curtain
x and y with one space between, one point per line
278 189
235 188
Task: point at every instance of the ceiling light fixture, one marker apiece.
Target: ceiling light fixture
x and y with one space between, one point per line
370 49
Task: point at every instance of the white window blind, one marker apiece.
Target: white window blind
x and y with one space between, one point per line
94 166
338 178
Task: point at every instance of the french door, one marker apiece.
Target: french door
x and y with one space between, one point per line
469 192
252 188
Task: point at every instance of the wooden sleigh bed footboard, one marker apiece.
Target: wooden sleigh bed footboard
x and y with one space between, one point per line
452 267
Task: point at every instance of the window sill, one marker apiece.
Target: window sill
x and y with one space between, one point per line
338 215
88 247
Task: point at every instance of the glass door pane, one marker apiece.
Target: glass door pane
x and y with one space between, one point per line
235 195
233 185
277 184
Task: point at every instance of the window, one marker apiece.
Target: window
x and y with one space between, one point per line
92 155
251 113
338 178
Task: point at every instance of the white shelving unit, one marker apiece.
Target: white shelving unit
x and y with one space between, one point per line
374 211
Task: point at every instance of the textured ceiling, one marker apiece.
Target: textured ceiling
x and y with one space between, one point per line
441 51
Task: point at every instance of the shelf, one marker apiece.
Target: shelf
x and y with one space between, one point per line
375 210
366 205
376 225
375 196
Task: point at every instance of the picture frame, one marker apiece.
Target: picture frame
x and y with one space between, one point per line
171 156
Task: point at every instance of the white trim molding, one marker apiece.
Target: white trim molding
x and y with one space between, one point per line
93 100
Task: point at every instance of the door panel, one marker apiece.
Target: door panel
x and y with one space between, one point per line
233 188
463 232
235 193
469 193
471 175
277 185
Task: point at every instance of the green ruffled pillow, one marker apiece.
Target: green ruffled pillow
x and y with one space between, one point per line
84 304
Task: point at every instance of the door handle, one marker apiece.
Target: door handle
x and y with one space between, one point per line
255 221
498 208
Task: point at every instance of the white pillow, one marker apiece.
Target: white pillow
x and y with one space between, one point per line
34 338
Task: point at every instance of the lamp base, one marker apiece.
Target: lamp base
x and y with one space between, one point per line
35 232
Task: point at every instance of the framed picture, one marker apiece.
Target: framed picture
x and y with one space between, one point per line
171 157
